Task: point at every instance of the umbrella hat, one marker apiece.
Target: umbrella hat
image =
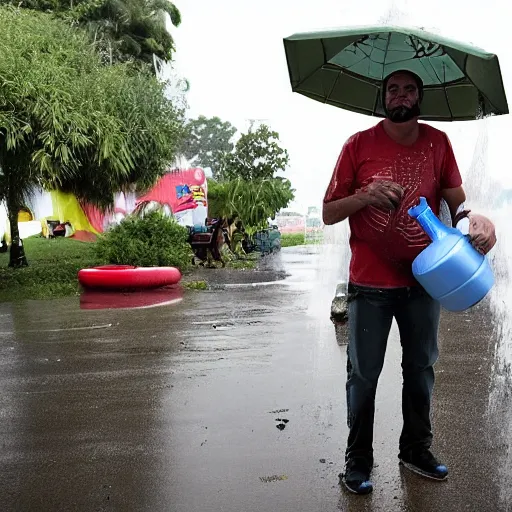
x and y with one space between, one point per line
346 68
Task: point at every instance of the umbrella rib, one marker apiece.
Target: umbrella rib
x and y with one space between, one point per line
300 82
352 74
320 67
428 72
386 54
350 107
383 93
401 60
365 54
447 102
396 50
370 61
443 86
334 84
435 72
355 63
376 101
473 84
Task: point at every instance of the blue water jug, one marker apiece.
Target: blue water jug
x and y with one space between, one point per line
450 269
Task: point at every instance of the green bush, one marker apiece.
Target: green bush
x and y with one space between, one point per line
145 241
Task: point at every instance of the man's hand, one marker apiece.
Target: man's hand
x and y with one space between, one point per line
481 233
383 194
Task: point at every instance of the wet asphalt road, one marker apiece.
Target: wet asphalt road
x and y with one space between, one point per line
231 400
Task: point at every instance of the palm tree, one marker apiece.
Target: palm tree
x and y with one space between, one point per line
121 30
129 29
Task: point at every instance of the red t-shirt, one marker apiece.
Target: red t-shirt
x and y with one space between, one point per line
384 244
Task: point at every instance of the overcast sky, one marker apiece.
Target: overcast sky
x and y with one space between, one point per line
232 53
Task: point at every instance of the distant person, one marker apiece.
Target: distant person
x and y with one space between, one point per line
381 173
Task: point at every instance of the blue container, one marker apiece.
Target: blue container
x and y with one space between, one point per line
450 269
200 228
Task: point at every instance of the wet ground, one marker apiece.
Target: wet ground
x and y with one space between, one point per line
231 400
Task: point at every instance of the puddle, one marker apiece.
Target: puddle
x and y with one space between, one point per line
130 300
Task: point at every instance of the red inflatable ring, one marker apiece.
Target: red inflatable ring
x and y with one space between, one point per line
127 277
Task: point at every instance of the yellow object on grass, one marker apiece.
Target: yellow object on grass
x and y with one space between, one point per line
66 208
25 215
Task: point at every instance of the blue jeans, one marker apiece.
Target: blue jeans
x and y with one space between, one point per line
370 313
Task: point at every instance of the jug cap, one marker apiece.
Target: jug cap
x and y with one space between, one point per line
416 211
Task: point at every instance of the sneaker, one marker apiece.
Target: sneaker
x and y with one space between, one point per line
357 476
424 463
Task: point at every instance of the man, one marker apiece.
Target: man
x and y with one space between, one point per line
380 174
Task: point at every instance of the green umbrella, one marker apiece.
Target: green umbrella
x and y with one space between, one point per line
345 68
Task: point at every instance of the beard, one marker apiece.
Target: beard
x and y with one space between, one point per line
402 114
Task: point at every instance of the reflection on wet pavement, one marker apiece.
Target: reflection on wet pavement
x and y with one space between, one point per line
94 299
232 400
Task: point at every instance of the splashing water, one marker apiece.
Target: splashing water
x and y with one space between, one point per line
332 268
483 196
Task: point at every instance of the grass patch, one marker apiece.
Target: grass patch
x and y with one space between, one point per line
247 262
52 270
195 285
292 239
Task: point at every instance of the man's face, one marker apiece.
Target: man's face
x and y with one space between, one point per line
402 98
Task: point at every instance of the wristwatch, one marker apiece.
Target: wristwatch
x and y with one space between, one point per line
463 225
461 220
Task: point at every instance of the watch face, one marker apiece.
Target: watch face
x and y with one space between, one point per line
463 226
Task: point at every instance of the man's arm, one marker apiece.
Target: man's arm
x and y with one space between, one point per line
455 198
382 194
340 209
338 201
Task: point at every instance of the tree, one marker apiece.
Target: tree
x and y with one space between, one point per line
208 141
257 156
68 122
252 202
151 133
122 30
248 189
